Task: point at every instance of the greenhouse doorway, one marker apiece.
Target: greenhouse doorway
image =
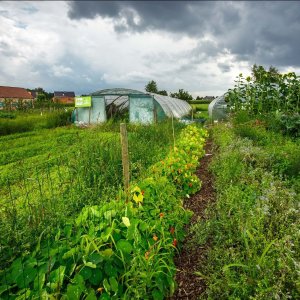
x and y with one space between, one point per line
141 109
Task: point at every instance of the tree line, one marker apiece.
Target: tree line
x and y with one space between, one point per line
151 87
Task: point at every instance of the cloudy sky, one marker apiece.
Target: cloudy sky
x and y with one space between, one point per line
84 46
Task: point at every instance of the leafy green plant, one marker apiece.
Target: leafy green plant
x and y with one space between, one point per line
120 249
252 229
270 95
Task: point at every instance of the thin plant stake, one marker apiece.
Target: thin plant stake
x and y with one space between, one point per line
125 156
173 130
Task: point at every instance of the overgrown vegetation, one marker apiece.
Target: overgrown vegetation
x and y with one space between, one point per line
252 231
16 122
48 176
120 249
271 96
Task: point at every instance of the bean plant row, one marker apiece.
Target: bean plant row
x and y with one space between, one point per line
117 249
47 176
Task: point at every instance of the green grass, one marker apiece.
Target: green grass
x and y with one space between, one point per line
252 231
200 111
47 176
124 247
34 120
200 107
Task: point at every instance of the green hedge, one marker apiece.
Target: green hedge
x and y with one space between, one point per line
27 122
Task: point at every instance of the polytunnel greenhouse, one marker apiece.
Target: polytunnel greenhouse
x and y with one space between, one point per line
142 107
218 109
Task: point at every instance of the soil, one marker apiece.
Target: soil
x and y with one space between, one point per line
189 285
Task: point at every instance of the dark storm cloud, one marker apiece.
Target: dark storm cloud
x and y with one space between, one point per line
178 16
268 34
258 32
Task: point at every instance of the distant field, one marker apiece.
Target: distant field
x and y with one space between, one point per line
201 107
201 110
19 121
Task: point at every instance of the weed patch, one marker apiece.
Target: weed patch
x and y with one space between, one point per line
253 228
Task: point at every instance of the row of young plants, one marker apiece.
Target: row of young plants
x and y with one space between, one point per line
80 167
122 249
251 232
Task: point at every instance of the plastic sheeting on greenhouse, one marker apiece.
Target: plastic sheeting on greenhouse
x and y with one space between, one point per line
143 107
173 106
217 109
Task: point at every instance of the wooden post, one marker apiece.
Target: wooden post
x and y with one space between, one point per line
125 156
155 115
173 129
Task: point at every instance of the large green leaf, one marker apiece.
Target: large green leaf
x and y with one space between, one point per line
113 284
30 262
56 278
107 253
96 277
143 226
109 269
124 246
26 277
106 285
108 215
126 221
95 258
23 294
91 295
39 281
86 272
16 268
3 288
70 253
74 292
90 265
104 296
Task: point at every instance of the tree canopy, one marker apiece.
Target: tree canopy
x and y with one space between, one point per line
182 94
151 87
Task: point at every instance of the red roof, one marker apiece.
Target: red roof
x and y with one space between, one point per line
14 92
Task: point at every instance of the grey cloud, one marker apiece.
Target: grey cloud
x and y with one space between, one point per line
224 67
30 9
173 16
4 13
263 32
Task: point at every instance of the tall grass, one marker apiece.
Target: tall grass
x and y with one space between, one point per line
23 122
44 186
252 231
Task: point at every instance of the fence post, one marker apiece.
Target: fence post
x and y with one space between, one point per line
125 156
173 131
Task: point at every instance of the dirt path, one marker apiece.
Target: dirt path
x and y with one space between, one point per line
189 285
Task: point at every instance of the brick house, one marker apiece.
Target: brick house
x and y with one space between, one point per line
64 97
12 98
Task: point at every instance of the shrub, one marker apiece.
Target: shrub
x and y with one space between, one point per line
57 119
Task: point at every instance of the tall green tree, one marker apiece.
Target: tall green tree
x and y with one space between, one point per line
151 87
182 94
